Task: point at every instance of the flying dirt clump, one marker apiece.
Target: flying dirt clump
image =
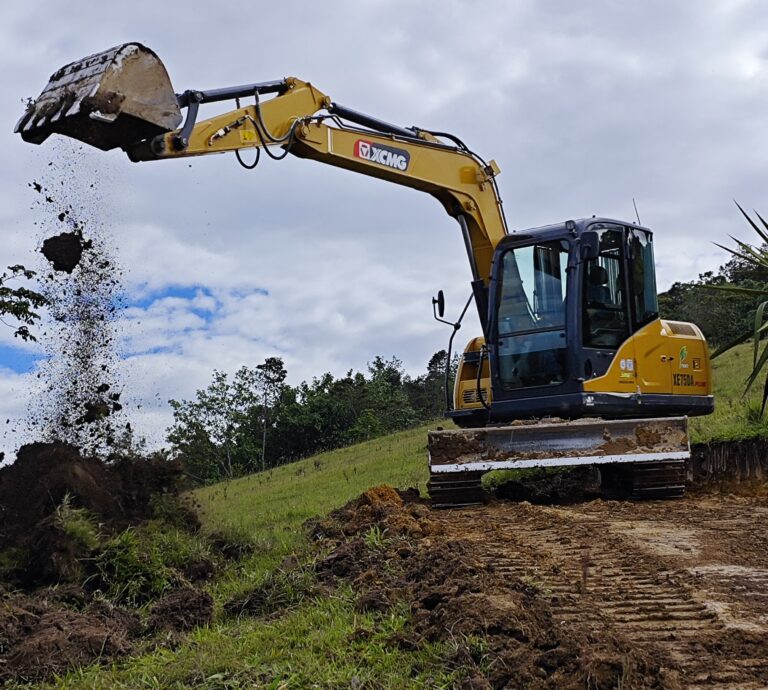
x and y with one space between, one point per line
64 251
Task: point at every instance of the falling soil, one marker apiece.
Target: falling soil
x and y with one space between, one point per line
601 594
79 397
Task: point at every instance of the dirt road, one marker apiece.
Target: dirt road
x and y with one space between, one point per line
685 581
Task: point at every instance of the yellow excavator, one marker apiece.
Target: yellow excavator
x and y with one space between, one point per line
574 365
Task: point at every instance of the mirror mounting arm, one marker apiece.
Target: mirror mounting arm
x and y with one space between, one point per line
438 309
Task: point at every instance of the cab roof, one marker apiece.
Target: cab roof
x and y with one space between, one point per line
566 229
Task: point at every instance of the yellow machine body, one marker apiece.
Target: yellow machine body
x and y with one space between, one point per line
664 357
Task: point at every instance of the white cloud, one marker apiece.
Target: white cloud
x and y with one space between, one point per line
584 105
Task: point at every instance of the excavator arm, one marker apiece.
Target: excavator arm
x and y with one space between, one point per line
123 98
303 121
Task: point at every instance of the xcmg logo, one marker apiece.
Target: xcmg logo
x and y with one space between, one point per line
384 155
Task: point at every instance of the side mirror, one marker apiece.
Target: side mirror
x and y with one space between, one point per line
589 245
440 302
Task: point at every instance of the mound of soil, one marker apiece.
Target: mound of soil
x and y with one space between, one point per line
44 476
391 549
390 510
180 610
38 637
117 494
50 632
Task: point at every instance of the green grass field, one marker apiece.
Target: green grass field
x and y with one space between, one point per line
317 642
736 416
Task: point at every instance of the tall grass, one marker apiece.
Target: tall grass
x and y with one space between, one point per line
736 416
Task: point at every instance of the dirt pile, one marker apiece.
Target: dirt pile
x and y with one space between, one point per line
52 631
181 610
397 512
46 476
64 542
392 549
39 637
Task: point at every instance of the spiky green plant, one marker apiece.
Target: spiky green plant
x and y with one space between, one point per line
757 257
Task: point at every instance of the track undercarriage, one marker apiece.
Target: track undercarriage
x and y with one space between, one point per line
637 458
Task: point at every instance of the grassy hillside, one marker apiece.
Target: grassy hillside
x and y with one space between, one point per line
735 416
273 504
324 642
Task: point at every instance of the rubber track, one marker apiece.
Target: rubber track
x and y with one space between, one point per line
658 480
456 490
650 481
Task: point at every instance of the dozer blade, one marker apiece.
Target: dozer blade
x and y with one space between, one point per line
654 443
108 100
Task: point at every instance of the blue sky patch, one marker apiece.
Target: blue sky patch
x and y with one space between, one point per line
186 292
18 360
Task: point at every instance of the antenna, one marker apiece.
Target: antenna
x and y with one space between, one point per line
636 213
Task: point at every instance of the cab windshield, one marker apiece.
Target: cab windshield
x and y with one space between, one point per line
531 316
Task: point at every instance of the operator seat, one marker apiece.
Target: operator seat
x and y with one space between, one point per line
598 292
604 320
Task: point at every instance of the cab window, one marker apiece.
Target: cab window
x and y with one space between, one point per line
644 301
531 315
604 313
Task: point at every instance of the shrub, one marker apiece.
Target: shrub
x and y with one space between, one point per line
132 570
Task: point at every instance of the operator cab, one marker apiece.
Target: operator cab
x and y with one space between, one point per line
564 304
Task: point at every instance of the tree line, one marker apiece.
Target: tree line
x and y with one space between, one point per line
723 315
254 420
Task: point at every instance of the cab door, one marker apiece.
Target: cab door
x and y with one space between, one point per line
651 339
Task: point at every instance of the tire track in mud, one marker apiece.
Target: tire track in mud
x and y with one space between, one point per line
640 571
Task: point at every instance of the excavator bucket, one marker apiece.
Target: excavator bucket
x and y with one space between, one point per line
108 100
654 449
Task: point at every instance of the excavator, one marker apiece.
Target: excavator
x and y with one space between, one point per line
574 365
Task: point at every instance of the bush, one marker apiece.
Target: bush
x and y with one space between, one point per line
132 570
77 523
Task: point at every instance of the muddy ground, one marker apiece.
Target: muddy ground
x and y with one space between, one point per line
599 594
54 610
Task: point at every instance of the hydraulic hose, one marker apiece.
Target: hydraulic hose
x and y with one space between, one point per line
483 354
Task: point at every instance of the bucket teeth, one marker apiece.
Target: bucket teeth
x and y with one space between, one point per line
114 98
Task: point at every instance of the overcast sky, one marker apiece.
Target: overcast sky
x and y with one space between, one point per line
583 105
